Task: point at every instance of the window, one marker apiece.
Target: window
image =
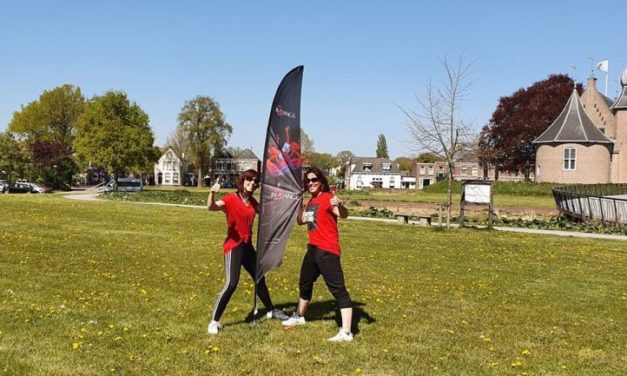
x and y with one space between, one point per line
464 172
366 166
387 166
475 171
570 158
431 170
422 170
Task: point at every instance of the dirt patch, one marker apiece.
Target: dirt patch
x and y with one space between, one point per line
422 208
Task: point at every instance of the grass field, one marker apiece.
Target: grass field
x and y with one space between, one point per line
99 288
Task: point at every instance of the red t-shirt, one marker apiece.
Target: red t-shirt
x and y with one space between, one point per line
239 221
322 227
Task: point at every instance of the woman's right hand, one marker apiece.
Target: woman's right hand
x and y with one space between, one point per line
216 187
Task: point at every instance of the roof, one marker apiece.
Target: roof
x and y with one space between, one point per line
621 101
376 163
247 154
572 125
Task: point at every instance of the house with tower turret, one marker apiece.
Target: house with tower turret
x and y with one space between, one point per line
587 142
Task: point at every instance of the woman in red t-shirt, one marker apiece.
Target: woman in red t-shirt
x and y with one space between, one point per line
323 252
240 209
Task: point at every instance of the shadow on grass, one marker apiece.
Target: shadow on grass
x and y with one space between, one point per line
319 311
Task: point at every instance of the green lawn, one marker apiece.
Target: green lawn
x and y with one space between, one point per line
98 288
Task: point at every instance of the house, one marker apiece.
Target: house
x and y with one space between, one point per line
587 143
170 169
428 173
367 172
229 167
173 170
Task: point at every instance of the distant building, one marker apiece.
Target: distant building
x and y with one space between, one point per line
428 173
229 167
367 172
170 169
173 170
587 143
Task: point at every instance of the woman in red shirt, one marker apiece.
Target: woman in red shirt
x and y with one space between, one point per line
323 252
240 209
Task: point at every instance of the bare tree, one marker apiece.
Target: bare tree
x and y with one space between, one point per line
179 142
435 126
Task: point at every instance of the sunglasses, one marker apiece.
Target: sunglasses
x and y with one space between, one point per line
312 180
253 180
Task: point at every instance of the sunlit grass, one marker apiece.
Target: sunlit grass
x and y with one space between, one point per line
93 288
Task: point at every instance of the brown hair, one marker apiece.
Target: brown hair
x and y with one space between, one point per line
324 183
246 175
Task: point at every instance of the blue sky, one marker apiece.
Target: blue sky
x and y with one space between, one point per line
362 59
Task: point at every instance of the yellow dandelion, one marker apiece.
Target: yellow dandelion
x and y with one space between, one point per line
76 345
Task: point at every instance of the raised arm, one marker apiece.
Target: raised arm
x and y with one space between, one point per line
212 204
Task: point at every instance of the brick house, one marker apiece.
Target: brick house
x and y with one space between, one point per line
429 173
230 167
587 143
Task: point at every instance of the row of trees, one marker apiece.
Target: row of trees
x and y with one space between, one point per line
52 138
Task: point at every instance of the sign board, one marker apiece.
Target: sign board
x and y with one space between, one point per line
477 193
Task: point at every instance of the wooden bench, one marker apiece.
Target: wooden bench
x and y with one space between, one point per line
423 220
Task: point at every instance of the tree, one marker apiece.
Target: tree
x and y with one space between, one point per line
404 163
49 126
343 158
234 150
382 147
436 126
179 142
507 140
115 133
207 131
427 157
323 161
13 158
306 146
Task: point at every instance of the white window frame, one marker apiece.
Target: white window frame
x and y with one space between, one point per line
570 159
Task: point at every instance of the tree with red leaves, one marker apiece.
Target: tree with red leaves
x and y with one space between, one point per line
507 140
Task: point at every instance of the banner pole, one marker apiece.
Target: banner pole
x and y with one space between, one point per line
606 74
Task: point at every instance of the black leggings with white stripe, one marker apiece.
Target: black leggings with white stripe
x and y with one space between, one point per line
242 255
318 262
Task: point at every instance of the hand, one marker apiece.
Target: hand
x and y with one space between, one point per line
336 201
216 187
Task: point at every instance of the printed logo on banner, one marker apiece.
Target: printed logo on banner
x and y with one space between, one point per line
284 196
280 112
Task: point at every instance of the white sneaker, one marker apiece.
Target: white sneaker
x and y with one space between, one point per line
277 314
294 320
342 336
214 327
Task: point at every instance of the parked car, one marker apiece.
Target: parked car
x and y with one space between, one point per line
4 186
20 187
130 185
35 188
